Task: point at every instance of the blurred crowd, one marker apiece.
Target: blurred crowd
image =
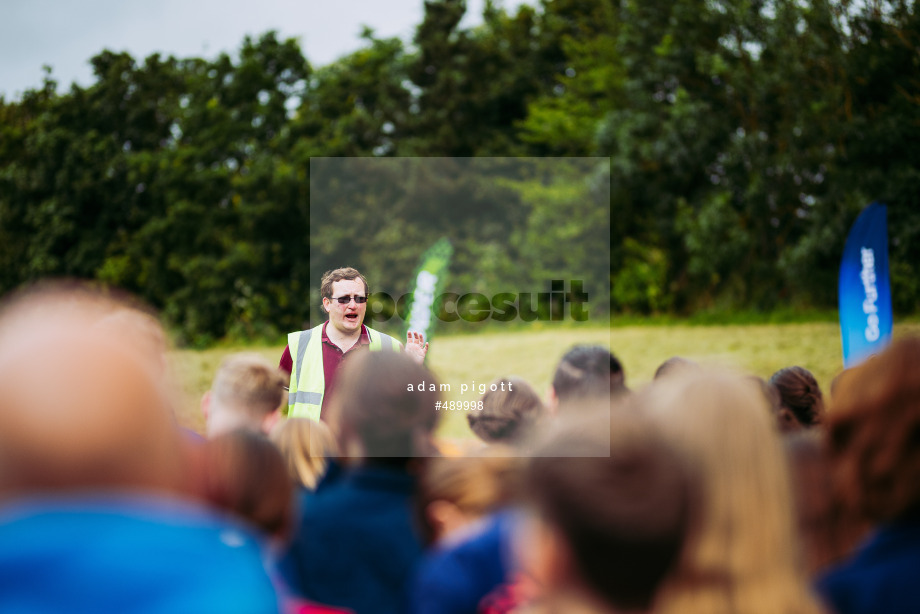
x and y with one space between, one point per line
704 492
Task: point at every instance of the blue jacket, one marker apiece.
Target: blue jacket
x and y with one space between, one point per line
883 577
456 578
133 554
357 544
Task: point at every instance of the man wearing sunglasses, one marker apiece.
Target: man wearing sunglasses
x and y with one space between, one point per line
312 357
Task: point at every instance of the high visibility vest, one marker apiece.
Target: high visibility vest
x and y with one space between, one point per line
308 382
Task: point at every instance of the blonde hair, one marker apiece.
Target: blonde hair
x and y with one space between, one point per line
304 444
249 382
741 554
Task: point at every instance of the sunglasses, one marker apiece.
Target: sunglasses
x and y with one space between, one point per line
344 300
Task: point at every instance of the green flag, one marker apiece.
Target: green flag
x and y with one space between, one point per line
427 285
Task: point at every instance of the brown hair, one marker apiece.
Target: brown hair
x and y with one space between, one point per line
784 419
828 533
742 554
375 404
507 415
245 474
475 484
330 277
248 382
799 392
621 506
874 425
305 445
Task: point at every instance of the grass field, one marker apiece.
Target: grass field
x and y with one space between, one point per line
480 358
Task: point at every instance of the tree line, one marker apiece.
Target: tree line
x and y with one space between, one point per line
743 138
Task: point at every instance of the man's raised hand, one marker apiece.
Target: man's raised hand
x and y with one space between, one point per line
416 346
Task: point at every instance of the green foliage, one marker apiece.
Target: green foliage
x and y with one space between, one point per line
743 139
641 281
166 179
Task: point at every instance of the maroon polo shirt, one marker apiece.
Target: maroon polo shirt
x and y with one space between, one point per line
332 358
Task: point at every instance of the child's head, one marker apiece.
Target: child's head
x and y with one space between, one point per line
245 475
586 372
612 508
510 409
801 401
248 393
374 412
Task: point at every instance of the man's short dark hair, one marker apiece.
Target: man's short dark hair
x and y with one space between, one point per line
588 371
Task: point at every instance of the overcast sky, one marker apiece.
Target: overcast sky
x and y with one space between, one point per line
66 33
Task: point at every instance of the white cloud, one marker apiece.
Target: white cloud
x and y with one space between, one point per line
66 34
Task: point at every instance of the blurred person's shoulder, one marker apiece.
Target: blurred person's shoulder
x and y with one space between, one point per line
882 574
105 550
460 574
346 494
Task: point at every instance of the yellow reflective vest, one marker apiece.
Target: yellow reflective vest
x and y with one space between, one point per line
308 382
